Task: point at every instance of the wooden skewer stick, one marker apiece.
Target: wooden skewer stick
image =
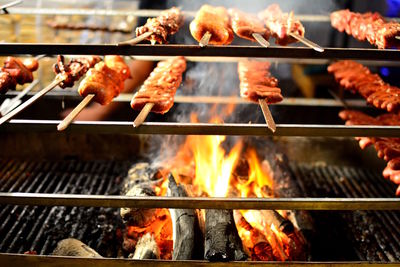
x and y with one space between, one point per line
143 114
307 42
32 100
339 99
397 37
75 112
136 40
15 101
11 4
261 40
267 115
205 39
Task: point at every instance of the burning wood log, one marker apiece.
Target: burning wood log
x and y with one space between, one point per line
186 230
139 182
75 248
256 243
270 217
222 241
146 248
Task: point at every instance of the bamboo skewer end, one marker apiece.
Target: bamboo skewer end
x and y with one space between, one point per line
267 115
307 42
261 40
143 115
75 112
136 40
205 39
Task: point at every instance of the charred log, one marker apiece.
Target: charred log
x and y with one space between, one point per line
272 217
75 248
222 241
256 243
139 183
185 227
146 248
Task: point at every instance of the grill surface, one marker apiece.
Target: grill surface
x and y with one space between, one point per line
340 235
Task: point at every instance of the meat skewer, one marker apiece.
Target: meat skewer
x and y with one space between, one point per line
285 28
212 26
387 148
158 91
371 27
102 83
257 85
81 26
355 77
156 30
66 75
249 27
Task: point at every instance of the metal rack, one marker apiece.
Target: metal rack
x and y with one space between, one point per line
392 56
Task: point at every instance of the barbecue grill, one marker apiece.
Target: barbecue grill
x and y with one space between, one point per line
74 186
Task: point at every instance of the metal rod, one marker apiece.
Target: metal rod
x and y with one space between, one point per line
174 128
37 199
75 112
261 40
16 260
307 42
205 39
31 100
143 114
339 99
196 51
267 115
9 104
136 40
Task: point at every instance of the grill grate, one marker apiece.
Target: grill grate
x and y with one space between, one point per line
374 235
28 228
359 235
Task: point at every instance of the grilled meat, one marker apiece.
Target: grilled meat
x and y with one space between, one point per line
16 72
244 25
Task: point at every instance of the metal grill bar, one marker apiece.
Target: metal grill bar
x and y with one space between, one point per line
174 128
195 50
24 260
201 203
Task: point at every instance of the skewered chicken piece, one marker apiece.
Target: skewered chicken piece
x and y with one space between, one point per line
357 78
168 23
245 25
160 87
257 83
281 25
368 26
214 21
16 72
74 70
105 80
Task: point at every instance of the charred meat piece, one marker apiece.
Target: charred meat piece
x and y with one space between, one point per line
105 80
371 27
257 83
74 70
281 24
160 87
16 72
244 25
214 20
168 23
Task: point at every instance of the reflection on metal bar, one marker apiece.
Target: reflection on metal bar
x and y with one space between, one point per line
36 199
138 12
17 260
195 50
176 128
287 101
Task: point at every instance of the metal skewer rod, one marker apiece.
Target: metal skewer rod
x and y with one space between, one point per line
339 99
143 114
267 115
261 40
32 100
205 39
136 40
12 102
307 42
11 4
75 112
